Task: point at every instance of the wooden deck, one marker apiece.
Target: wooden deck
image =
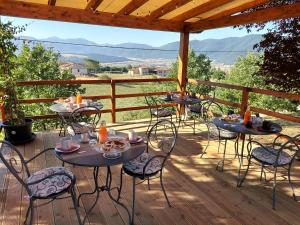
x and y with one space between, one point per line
198 193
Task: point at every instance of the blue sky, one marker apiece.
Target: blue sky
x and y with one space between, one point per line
113 35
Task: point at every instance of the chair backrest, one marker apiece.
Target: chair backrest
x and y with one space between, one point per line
211 109
14 161
287 145
161 138
151 101
88 114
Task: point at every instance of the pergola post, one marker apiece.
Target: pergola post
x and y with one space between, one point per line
182 63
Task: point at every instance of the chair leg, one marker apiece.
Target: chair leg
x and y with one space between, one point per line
290 181
121 185
163 188
240 183
208 141
274 189
223 160
74 199
219 146
30 213
148 182
133 200
261 171
149 125
27 214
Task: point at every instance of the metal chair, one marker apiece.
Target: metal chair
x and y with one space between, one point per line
160 144
279 154
210 110
83 120
156 110
49 183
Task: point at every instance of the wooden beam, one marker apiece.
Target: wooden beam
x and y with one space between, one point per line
261 16
57 13
132 6
166 8
237 9
93 4
183 61
200 9
51 2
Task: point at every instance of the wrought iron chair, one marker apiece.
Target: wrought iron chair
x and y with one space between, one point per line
156 110
196 110
49 183
161 141
83 120
279 154
210 110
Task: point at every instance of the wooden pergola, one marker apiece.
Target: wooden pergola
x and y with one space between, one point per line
182 16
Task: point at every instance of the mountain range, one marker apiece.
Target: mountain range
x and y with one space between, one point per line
221 51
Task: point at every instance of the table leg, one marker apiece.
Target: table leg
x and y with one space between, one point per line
98 189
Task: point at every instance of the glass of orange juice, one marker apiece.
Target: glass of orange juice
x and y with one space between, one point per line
78 99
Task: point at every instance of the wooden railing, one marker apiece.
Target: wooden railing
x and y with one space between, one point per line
245 96
113 96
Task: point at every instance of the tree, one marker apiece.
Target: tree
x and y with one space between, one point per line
245 72
218 74
199 67
92 66
281 47
13 111
38 63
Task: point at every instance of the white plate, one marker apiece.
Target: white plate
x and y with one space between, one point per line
76 147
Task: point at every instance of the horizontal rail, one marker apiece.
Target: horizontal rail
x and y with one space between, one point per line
65 82
279 94
142 107
49 100
112 82
54 116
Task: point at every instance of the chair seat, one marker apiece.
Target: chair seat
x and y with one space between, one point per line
196 109
161 112
268 155
49 186
224 134
135 167
80 128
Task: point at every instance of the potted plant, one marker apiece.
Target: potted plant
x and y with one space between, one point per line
17 128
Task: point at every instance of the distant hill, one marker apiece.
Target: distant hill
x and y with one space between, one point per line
224 50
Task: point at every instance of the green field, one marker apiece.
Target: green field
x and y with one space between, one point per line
124 102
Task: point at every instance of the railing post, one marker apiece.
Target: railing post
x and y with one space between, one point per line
182 65
244 103
113 101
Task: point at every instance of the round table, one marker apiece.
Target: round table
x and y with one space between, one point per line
64 113
241 129
184 101
62 108
87 156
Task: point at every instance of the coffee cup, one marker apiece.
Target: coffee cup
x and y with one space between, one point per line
65 143
73 99
84 137
132 135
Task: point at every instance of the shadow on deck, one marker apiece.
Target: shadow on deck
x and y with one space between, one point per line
198 193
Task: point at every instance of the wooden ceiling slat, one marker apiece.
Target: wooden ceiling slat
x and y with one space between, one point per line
132 6
260 16
93 4
239 8
51 2
200 9
170 6
58 13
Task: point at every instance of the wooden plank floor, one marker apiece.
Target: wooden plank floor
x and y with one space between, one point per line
198 193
